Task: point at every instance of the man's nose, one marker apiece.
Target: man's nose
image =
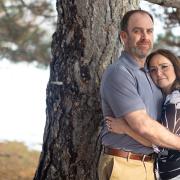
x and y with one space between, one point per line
144 35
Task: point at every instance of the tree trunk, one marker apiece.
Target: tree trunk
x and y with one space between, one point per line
85 42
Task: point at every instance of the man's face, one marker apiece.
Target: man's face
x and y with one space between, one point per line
138 39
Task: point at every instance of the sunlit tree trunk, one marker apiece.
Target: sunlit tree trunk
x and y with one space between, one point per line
85 42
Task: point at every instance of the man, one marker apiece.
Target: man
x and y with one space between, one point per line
128 92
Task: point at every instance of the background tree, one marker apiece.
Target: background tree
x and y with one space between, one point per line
171 19
166 3
22 36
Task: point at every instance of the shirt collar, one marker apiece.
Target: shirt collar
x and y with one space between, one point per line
130 62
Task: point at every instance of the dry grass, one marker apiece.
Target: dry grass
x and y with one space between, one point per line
17 162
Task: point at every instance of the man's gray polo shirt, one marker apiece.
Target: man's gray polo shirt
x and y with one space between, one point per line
126 88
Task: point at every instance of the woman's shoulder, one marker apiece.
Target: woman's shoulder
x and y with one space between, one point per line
173 98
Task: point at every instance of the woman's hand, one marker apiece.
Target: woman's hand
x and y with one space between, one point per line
116 125
120 126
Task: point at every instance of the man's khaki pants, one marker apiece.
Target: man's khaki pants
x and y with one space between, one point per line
117 168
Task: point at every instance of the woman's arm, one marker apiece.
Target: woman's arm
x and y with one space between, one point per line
120 126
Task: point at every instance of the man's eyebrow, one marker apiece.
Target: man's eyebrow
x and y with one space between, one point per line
140 28
136 28
151 29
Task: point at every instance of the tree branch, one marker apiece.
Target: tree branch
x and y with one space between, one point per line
167 3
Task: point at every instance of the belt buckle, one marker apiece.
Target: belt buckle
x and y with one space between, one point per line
143 157
129 156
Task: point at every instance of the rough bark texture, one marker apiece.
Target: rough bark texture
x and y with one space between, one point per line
85 42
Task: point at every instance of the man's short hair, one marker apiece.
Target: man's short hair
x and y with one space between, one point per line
127 15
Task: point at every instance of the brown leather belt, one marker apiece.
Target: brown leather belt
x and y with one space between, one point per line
128 155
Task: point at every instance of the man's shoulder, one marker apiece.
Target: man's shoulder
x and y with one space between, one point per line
118 74
118 66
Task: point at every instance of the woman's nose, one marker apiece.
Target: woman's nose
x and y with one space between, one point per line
159 72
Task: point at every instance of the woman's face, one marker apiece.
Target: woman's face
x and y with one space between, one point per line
162 72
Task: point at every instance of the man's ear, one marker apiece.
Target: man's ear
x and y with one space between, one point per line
123 37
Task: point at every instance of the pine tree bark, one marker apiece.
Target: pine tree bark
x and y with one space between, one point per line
85 42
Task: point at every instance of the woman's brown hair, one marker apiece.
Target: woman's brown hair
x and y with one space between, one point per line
173 59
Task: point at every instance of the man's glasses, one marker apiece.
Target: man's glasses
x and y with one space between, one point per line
162 68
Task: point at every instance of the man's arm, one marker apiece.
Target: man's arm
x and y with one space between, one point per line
138 137
120 126
151 130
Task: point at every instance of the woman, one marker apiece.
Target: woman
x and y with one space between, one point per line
164 69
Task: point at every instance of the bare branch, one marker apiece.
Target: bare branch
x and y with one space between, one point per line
166 3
